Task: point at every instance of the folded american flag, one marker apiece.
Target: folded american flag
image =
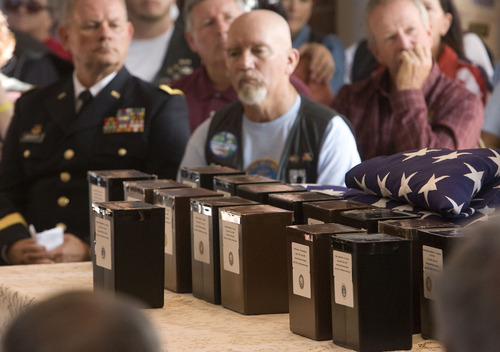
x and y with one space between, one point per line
455 184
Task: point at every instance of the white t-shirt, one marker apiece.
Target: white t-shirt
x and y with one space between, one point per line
145 56
263 145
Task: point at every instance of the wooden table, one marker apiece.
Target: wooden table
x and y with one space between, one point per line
184 324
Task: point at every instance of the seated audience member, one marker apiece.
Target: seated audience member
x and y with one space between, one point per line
271 130
478 52
158 52
490 133
35 60
82 321
410 104
448 47
34 63
298 14
7 44
55 136
209 88
38 19
467 305
448 50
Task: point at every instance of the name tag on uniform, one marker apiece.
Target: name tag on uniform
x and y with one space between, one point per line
129 120
35 135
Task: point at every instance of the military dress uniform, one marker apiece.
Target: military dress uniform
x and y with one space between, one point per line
130 124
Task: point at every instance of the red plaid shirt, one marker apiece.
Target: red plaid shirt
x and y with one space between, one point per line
443 114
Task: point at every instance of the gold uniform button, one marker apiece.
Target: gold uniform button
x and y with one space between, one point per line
69 154
122 152
27 153
62 201
65 176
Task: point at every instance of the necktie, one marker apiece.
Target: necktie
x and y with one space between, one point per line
85 97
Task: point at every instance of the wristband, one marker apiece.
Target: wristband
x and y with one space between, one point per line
5 106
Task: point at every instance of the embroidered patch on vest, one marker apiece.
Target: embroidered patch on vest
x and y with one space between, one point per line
223 144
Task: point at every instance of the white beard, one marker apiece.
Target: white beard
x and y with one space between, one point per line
250 94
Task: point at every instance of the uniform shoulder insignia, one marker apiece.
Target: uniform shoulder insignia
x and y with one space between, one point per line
171 90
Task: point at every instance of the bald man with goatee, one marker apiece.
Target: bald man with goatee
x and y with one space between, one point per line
272 130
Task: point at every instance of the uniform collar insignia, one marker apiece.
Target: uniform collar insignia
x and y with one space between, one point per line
61 96
115 94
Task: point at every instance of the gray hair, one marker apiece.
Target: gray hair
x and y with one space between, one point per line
424 15
67 9
467 307
190 4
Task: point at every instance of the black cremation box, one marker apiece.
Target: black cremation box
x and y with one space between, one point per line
203 176
127 246
253 258
107 185
330 210
143 190
294 201
260 192
409 229
371 292
368 219
205 257
227 185
308 264
177 204
434 246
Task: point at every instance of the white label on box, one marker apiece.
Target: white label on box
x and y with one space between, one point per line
201 232
98 194
231 246
342 272
103 256
301 270
432 260
169 231
311 221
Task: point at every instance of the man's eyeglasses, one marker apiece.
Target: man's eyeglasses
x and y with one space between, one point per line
30 6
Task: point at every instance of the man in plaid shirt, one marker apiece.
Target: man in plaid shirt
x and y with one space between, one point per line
409 103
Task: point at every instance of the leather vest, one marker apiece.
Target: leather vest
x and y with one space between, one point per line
299 160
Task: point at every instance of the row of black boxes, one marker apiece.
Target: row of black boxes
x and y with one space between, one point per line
346 271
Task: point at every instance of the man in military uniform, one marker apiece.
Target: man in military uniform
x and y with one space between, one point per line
272 130
55 138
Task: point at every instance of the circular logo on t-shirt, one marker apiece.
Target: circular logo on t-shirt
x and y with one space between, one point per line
223 144
264 167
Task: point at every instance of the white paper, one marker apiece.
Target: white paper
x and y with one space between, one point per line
51 239
103 256
432 268
169 231
97 194
301 270
201 231
231 247
343 285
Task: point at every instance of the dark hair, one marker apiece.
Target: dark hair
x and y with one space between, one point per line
455 36
81 321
